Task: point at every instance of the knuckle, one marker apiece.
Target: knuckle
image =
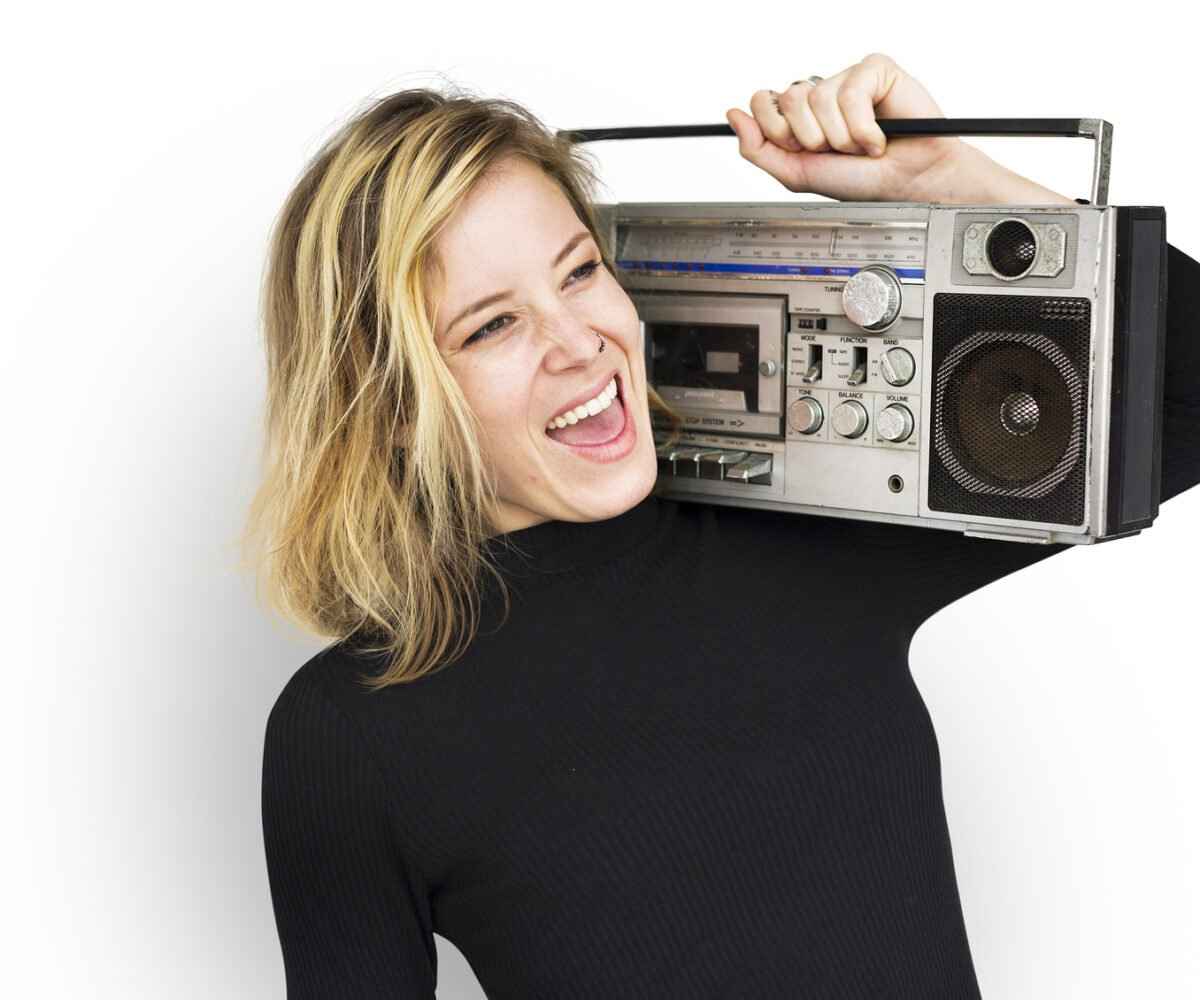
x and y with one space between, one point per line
822 96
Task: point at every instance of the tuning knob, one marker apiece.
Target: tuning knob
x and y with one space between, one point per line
850 418
871 298
895 422
805 415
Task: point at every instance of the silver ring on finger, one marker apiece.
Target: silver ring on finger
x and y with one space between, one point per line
814 80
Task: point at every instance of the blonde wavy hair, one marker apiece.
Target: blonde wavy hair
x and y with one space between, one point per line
374 508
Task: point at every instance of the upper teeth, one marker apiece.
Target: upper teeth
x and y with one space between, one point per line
589 409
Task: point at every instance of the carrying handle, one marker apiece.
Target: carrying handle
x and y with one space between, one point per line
1097 129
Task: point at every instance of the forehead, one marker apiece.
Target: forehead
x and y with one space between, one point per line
514 214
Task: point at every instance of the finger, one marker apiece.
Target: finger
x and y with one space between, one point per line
824 103
770 121
856 100
896 94
781 164
793 102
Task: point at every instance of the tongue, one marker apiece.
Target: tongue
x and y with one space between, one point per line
593 430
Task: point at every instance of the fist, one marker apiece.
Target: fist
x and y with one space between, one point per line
823 138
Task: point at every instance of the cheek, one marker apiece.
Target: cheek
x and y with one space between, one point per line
500 401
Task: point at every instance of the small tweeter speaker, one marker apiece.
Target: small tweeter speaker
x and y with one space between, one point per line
1009 412
1012 248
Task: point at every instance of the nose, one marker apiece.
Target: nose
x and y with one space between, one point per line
572 342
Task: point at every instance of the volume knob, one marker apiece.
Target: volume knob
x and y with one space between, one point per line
871 298
895 423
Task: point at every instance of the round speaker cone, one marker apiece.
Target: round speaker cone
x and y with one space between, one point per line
1010 414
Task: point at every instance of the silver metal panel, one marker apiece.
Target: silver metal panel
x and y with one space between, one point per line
944 273
822 473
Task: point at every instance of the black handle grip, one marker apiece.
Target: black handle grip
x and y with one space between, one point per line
1096 129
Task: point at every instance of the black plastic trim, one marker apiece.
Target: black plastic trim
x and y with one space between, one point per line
1138 368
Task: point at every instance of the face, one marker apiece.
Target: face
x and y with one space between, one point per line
531 352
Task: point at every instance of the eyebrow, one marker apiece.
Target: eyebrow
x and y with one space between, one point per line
572 243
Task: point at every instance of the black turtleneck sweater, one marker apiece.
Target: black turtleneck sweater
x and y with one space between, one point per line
687 766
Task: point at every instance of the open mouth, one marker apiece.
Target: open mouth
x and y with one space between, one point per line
598 429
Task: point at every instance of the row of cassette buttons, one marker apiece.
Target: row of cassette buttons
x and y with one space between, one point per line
726 464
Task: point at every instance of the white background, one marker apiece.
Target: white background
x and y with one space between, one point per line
147 150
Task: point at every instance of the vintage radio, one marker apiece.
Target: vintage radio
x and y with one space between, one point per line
990 369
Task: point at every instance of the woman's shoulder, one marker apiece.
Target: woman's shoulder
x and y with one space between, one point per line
327 702
307 690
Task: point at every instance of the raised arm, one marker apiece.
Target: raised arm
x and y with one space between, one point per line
353 922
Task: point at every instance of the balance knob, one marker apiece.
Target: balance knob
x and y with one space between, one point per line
871 298
897 366
895 422
850 418
805 415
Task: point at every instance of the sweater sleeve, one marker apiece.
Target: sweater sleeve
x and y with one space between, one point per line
950 565
352 920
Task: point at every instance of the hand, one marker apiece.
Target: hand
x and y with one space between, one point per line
802 141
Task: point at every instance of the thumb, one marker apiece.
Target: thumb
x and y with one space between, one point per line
782 164
749 135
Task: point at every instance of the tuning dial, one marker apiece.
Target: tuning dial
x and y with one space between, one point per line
895 422
897 366
768 368
805 415
850 418
871 298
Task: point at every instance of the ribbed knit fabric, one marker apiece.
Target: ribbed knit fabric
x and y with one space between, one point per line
691 764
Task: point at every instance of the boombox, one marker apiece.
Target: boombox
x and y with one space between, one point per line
990 369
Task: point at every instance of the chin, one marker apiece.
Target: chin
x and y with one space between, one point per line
632 488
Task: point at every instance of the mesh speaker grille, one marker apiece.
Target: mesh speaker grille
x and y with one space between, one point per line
1010 413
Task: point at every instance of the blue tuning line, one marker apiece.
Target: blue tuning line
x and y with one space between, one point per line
704 265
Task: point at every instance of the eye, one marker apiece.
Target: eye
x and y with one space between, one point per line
581 273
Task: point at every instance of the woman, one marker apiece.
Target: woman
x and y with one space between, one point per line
679 752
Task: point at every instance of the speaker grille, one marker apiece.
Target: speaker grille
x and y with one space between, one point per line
1010 406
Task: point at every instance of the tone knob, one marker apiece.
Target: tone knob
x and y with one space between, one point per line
850 418
805 415
871 298
895 422
897 365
